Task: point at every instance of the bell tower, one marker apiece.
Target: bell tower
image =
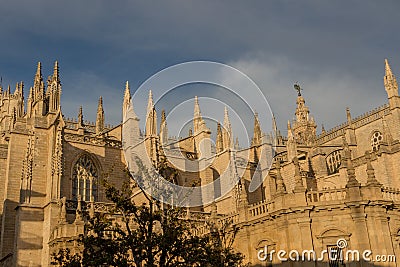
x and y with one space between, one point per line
304 127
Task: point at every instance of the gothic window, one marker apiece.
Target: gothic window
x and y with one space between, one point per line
376 139
84 179
333 161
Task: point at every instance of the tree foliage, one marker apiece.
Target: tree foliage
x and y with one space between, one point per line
148 235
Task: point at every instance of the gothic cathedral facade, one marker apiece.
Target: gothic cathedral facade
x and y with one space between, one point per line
340 184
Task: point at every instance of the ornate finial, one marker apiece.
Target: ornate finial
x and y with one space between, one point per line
298 89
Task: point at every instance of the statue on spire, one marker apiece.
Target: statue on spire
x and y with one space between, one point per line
298 89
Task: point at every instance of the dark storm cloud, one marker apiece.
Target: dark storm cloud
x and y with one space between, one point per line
334 49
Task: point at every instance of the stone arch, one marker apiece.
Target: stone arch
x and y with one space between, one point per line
330 235
85 176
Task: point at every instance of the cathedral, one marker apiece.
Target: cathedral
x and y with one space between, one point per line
341 184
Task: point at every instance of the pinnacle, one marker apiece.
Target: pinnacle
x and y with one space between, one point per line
100 105
388 70
39 70
163 116
56 71
150 104
227 122
127 94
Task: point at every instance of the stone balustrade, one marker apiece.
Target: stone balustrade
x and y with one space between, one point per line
391 194
326 195
261 208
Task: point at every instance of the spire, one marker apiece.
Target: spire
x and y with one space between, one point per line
163 128
219 141
151 118
257 131
275 129
127 99
54 90
390 83
227 122
227 131
198 122
150 104
100 117
56 76
304 127
38 75
38 84
371 180
196 107
80 117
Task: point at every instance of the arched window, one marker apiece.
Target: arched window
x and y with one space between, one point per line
84 179
333 161
217 184
376 139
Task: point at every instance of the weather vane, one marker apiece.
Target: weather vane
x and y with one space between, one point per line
297 88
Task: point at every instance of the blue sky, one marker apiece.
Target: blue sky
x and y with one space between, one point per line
335 49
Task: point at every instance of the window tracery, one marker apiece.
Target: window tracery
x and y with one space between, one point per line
333 161
84 179
376 140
